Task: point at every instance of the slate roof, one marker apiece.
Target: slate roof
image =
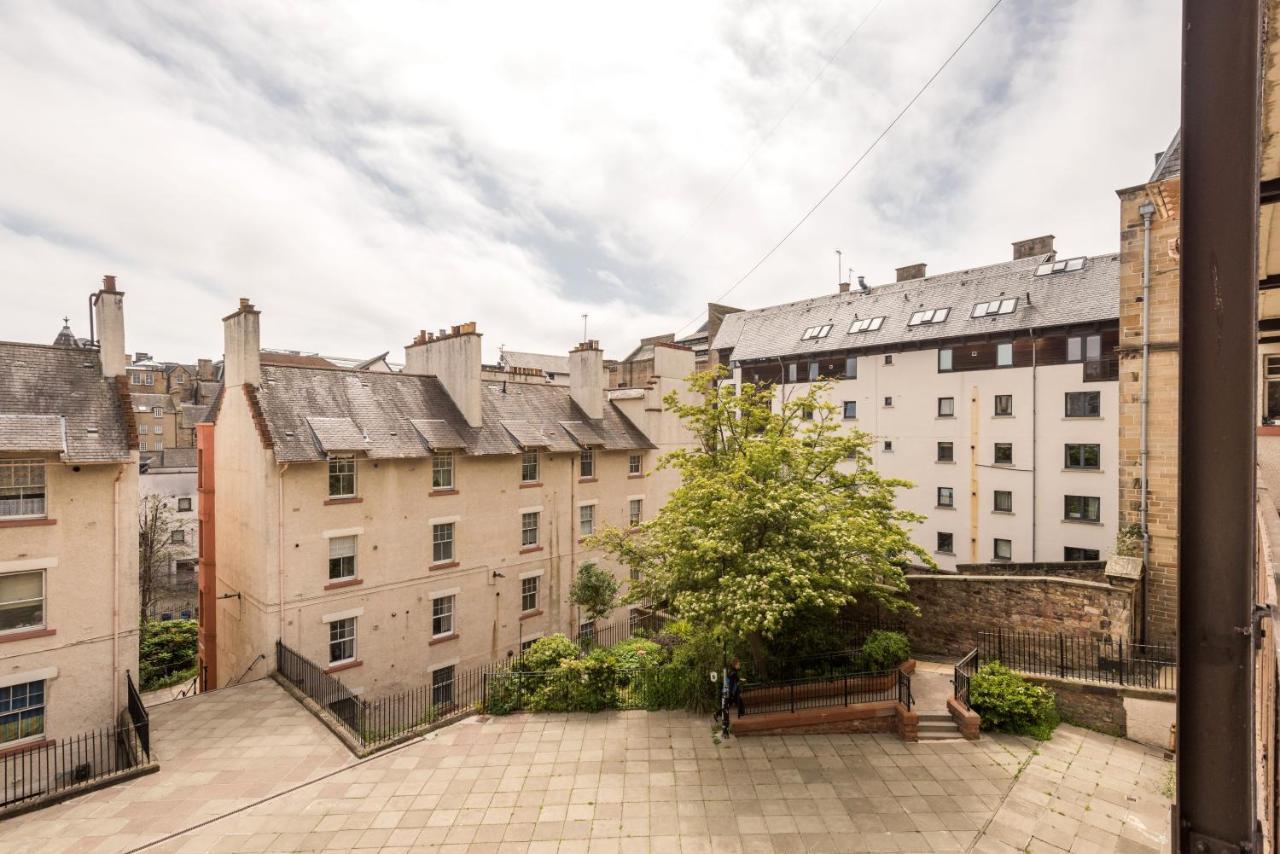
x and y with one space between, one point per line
1170 163
545 362
404 415
1087 295
143 402
31 433
63 383
194 413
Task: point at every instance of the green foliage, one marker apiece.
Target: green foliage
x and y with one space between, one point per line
1009 703
637 654
167 653
578 685
777 518
884 650
547 653
1129 541
594 591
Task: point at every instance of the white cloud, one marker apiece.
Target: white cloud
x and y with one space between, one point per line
363 172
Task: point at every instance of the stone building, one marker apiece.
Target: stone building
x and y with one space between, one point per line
993 390
392 527
68 534
637 368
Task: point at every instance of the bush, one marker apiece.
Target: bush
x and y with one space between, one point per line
167 653
637 653
884 650
1009 703
546 654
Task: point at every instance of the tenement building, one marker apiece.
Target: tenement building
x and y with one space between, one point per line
393 527
993 390
68 533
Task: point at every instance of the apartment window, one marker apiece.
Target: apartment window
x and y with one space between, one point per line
586 520
851 367
342 558
159 445
22 600
813 372
529 529
157 412
442 470
442 686
342 476
179 379
850 410
529 467
635 510
635 464
1082 508
22 490
184 505
342 640
793 373
816 332
442 542
946 543
946 407
529 593
1004 354
442 616
1002 549
888 358
178 537
946 497
1004 404
806 413
888 444
866 324
158 430
21 711
1084 404
142 444
587 463
1070 553
929 315
1082 456
1003 454
888 401
944 359
946 452
1271 375
999 306
1003 502
142 430
1084 348
149 378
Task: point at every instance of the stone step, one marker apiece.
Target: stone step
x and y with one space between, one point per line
936 716
938 726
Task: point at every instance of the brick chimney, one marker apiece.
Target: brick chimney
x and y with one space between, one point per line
844 287
242 346
108 310
587 378
453 357
911 271
1042 245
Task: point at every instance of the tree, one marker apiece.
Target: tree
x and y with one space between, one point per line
157 549
780 518
594 591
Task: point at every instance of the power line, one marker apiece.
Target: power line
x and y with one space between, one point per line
863 156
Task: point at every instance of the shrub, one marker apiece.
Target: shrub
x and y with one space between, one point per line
167 653
637 653
579 685
546 654
884 650
1009 703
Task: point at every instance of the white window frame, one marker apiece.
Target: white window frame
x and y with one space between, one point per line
1004 354
530 585
42 600
929 315
443 475
24 495
27 711
338 635
530 459
452 525
1000 305
635 464
527 531
339 551
867 324
815 332
587 463
635 510
157 412
450 615
339 462
586 514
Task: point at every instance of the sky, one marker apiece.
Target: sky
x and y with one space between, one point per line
364 170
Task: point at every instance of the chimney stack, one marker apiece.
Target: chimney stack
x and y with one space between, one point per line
587 378
844 287
862 284
911 271
453 357
1033 246
108 309
242 346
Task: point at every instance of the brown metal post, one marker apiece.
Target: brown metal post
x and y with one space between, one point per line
1220 95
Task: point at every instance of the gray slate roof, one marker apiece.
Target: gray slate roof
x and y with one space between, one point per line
194 413
1170 163
62 383
143 402
545 362
32 432
1086 295
404 415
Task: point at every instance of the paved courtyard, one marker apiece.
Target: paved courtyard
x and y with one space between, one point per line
612 782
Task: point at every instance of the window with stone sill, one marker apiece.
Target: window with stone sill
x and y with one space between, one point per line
946 452
442 542
22 601
22 489
342 476
946 543
442 615
1004 404
529 594
635 464
1082 508
22 711
946 496
342 641
587 463
1002 549
1002 501
586 520
946 407
529 467
442 470
342 558
529 529
635 510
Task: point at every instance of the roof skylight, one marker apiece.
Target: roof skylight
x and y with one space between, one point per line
995 306
1070 265
929 315
814 332
867 324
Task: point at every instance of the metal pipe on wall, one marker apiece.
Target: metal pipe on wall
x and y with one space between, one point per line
1146 209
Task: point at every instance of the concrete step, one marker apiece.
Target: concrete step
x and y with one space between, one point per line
935 725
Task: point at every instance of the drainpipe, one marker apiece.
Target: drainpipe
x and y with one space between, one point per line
280 546
1034 466
115 593
1146 209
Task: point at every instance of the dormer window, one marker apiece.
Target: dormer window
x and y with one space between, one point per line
929 315
867 324
1068 266
815 332
995 306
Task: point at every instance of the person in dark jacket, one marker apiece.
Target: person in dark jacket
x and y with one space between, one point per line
735 686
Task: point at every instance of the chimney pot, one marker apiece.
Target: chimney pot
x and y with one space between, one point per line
911 271
1042 245
844 287
109 283
862 284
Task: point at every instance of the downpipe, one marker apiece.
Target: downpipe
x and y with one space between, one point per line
1147 210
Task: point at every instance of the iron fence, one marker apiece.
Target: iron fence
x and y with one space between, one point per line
138 714
816 692
964 671
574 690
54 767
329 693
1102 660
590 636
452 693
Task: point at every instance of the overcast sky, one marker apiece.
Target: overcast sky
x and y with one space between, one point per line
363 170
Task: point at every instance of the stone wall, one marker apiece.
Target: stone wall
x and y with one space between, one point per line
1107 708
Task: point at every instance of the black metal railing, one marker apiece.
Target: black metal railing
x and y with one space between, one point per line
1103 660
330 694
138 714
817 692
390 717
567 690
54 767
905 697
964 671
590 635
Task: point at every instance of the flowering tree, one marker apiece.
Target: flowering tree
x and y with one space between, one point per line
780 516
